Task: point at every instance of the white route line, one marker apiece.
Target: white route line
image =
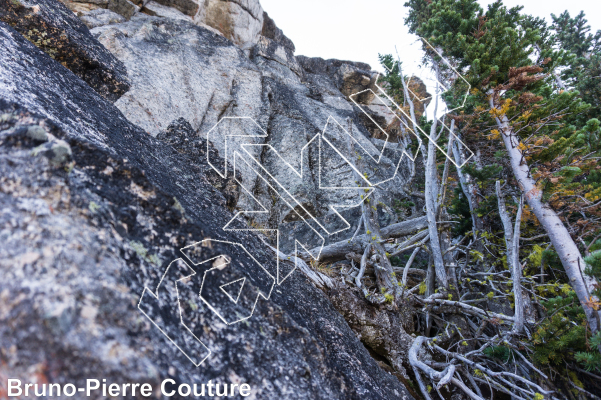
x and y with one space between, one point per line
239 290
239 158
257 167
454 70
156 296
206 243
408 118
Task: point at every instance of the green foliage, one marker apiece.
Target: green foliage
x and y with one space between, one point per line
551 258
502 353
484 45
583 59
401 206
557 131
591 360
593 267
392 76
422 287
484 175
562 334
460 208
485 178
389 298
536 257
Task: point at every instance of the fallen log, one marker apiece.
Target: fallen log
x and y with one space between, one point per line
337 251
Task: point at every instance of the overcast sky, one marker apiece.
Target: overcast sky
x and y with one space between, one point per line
358 30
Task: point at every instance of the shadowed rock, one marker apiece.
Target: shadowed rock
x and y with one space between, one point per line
52 27
271 31
73 270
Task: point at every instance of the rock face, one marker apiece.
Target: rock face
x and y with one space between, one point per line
55 29
350 77
101 17
271 31
241 21
187 7
94 209
158 10
123 7
179 70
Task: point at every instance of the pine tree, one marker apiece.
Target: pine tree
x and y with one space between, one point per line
583 70
537 131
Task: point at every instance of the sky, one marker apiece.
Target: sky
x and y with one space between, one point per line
358 30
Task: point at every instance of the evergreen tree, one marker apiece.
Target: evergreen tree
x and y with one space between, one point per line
531 126
583 70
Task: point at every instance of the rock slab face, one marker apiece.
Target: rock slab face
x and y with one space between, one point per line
179 70
52 27
85 231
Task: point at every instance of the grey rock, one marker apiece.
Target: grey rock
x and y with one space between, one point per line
317 65
124 8
187 7
271 31
350 77
57 151
36 206
179 70
71 279
158 10
241 21
80 7
191 69
97 2
280 53
352 80
101 17
186 140
52 27
37 133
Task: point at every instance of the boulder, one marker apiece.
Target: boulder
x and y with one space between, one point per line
84 241
52 27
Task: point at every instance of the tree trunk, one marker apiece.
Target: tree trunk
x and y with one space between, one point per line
385 277
564 245
431 194
512 239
